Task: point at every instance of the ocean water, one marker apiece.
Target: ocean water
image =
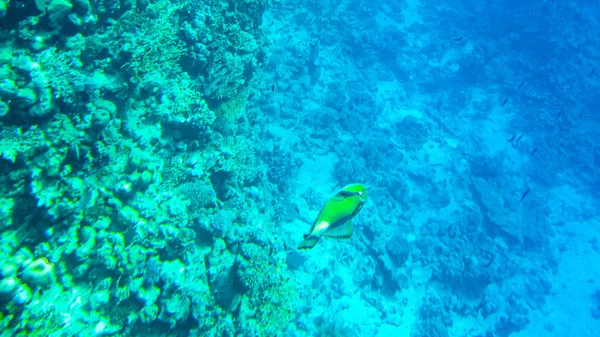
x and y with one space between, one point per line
162 161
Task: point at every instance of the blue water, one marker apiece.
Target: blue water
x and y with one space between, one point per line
163 160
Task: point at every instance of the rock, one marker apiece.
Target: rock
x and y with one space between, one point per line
58 11
398 249
294 260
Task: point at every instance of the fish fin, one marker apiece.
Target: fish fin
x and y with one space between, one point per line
308 242
343 231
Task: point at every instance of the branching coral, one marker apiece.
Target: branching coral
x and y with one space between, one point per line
200 194
239 158
270 292
225 78
433 319
15 142
151 38
60 70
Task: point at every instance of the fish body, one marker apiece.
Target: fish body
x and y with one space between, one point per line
518 139
335 218
524 194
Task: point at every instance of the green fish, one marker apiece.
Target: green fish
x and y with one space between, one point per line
335 218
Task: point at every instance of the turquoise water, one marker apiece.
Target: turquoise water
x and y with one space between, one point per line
163 160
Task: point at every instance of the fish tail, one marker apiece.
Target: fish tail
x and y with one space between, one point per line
308 242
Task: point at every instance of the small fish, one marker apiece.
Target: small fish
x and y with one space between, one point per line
520 85
559 114
518 139
84 200
273 87
490 260
91 173
512 138
592 72
533 152
504 102
524 194
335 218
458 38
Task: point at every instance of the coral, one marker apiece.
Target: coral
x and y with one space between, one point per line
4 109
86 148
59 70
174 173
270 293
102 111
173 273
398 249
16 143
200 193
99 299
433 319
57 12
40 272
149 313
283 167
88 242
333 325
150 38
175 309
525 226
183 105
239 158
226 76
12 290
6 209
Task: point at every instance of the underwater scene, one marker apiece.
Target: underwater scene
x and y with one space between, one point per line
311 168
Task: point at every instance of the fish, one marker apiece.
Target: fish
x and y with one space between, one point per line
504 103
524 194
84 200
533 152
559 114
520 85
518 139
592 72
512 138
458 38
335 218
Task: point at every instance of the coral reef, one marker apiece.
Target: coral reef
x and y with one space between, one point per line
112 150
161 159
